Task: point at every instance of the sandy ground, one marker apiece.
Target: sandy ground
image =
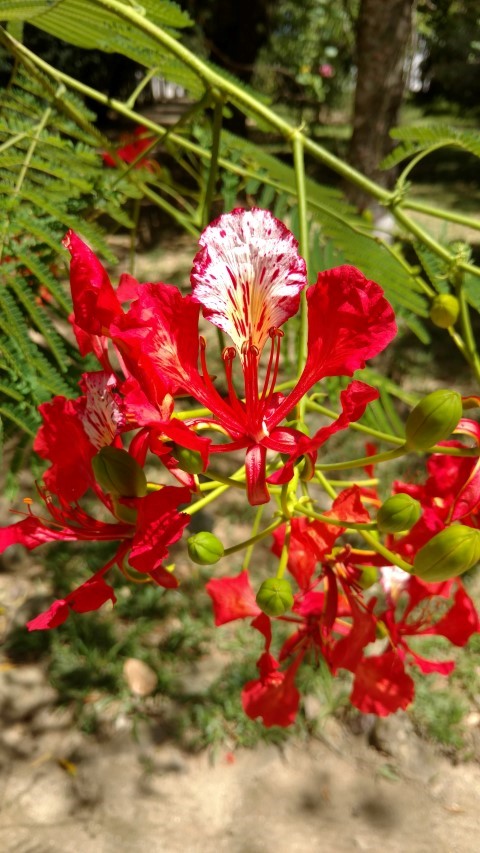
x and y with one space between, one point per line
61 791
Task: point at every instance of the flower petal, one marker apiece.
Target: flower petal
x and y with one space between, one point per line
232 598
94 300
349 321
248 275
381 685
159 524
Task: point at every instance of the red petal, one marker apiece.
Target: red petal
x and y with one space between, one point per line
56 615
233 598
62 432
94 300
159 524
273 697
382 686
257 492
90 595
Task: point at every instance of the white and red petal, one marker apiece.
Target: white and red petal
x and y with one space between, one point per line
102 418
248 275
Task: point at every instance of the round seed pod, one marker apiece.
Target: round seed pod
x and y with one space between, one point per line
433 419
118 473
204 548
368 577
444 310
399 512
275 596
450 553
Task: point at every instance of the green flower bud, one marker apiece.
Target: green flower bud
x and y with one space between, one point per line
204 548
433 419
368 577
444 310
275 596
450 553
399 512
118 473
188 460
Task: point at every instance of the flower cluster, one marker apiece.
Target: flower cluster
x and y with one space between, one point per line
352 607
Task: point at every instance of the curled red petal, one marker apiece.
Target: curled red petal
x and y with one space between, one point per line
94 300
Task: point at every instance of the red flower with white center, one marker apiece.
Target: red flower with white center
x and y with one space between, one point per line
156 524
73 431
248 277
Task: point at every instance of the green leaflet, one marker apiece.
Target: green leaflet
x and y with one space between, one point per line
423 137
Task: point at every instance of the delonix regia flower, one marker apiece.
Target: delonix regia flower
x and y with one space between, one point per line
247 278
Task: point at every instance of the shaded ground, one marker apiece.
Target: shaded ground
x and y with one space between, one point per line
62 791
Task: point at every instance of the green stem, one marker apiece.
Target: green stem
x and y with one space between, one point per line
385 552
440 213
299 166
337 522
255 527
468 336
247 543
375 433
227 481
282 563
362 461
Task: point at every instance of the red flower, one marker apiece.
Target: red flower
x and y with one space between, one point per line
248 277
381 684
72 433
135 144
156 524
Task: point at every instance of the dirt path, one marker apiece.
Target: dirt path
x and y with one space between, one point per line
62 791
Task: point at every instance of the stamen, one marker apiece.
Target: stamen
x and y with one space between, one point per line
211 388
273 364
251 355
228 355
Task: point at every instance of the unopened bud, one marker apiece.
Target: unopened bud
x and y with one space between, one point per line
433 419
450 553
204 548
275 596
399 512
444 310
188 460
118 473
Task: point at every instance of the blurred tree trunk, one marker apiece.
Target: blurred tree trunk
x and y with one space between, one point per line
383 35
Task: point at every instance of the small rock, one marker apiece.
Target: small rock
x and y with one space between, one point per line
140 677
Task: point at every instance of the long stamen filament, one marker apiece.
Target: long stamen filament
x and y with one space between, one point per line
228 355
250 356
273 364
